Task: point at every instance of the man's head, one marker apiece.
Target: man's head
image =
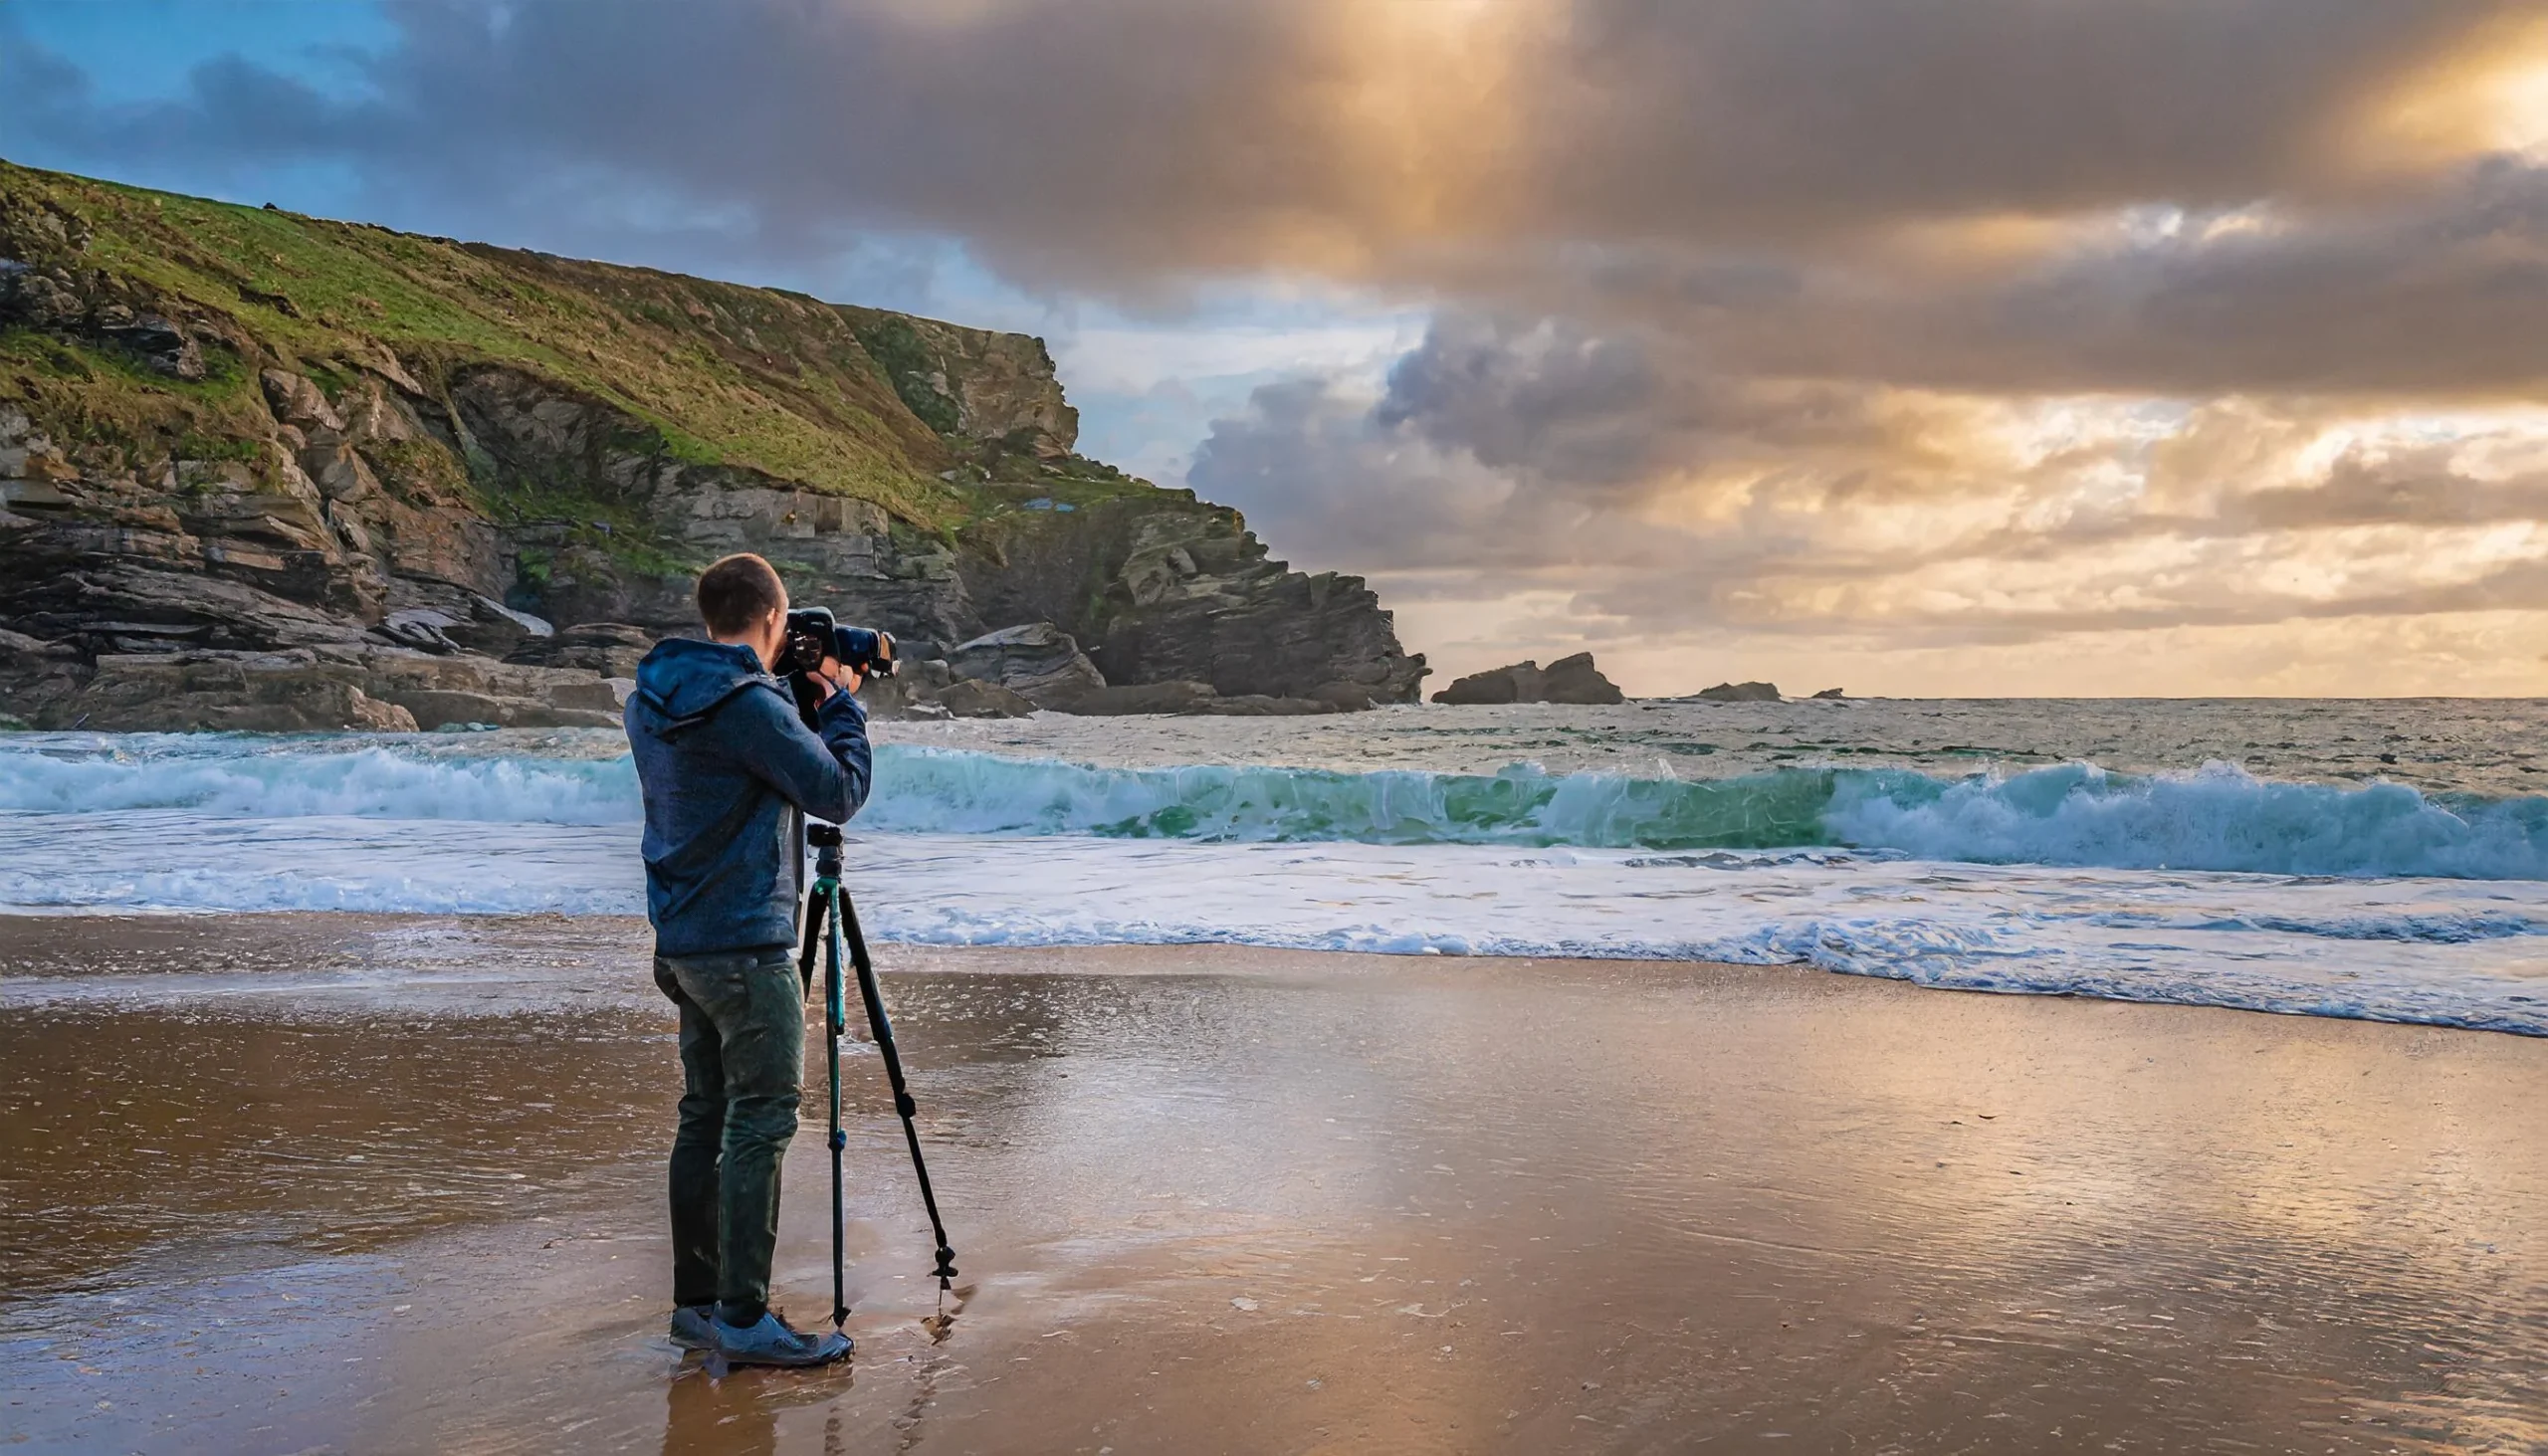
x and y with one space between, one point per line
742 601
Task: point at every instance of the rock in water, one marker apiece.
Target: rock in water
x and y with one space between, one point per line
1741 693
1831 693
1567 680
1518 683
1138 698
1575 680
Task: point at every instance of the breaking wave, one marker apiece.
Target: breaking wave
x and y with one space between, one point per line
290 778
2217 817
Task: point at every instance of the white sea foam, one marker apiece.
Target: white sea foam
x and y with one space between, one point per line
2208 887
2447 951
231 776
2217 817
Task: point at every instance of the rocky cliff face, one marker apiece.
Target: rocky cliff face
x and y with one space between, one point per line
345 452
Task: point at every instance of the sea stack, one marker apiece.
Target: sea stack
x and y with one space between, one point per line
1567 680
1741 693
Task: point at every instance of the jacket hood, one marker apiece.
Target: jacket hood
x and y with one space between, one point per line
683 680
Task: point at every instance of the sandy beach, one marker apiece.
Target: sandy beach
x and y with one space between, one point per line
292 1183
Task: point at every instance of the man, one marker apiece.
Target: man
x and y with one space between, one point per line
723 758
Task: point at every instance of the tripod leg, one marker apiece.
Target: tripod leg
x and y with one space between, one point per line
845 920
834 1021
816 905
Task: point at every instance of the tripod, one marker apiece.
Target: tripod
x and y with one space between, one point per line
830 909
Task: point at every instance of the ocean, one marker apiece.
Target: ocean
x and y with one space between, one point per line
2376 859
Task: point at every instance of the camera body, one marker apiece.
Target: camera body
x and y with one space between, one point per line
814 634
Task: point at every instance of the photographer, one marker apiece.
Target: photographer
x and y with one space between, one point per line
723 758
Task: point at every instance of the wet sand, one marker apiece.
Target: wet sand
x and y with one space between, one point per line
317 1184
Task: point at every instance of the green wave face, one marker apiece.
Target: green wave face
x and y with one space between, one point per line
2214 818
2217 817
1749 813
939 790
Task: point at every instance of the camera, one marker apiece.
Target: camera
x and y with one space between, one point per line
812 635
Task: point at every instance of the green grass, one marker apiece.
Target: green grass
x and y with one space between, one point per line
905 362
87 397
725 376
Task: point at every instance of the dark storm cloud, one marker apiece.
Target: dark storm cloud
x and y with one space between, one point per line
1735 168
1665 117
1319 478
1112 138
1602 412
2438 289
1524 446
1039 133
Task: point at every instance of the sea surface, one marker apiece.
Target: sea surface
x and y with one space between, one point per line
2379 859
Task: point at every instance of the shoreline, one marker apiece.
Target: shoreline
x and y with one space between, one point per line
923 954
1374 1203
2377 903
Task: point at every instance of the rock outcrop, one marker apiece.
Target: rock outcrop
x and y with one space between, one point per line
287 436
1567 680
1037 661
975 699
291 690
36 675
612 649
1741 693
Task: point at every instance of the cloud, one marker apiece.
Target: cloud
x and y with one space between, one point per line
1661 499
1942 323
1143 134
1319 477
2175 196
1786 116
2439 287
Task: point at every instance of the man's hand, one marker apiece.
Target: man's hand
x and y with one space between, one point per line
837 678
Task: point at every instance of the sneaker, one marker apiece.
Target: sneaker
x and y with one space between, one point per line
691 1326
772 1342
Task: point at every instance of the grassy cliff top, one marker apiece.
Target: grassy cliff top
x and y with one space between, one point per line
761 378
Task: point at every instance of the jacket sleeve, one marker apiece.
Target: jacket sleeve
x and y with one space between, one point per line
826 776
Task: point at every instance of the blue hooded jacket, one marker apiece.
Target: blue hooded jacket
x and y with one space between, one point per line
721 757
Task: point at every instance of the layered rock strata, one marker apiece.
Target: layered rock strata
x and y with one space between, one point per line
54 685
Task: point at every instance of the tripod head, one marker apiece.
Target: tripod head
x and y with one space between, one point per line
825 838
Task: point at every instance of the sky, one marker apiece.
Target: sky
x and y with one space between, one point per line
1921 347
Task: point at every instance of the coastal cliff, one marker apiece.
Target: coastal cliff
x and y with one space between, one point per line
264 470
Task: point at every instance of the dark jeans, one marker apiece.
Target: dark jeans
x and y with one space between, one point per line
742 1058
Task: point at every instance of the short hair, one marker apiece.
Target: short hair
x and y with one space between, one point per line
737 592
